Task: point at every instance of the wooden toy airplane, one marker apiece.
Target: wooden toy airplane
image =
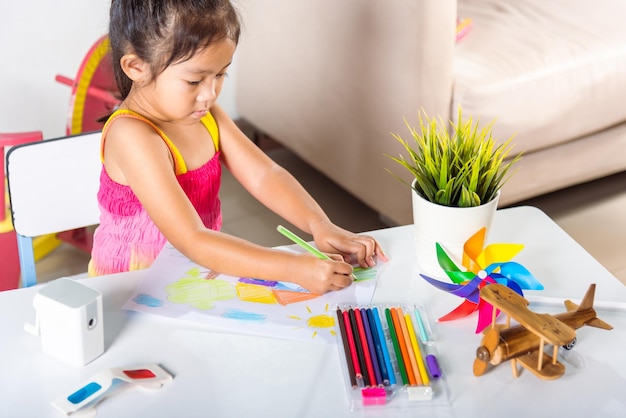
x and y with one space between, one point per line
523 344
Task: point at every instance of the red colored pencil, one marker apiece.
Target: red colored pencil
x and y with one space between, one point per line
351 347
359 347
366 351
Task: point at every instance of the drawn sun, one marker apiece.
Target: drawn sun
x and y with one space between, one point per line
321 321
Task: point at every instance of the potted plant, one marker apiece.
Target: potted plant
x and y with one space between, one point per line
458 172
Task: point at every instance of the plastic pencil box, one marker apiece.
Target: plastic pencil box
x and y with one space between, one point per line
389 357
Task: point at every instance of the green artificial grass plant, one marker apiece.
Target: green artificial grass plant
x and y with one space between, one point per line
461 167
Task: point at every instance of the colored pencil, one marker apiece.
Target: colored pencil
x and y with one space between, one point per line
302 243
416 348
384 375
409 346
396 347
371 346
403 348
366 351
420 325
383 345
359 347
350 335
346 348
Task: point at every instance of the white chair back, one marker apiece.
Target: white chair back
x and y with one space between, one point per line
52 188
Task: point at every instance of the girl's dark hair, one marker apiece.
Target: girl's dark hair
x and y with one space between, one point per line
163 32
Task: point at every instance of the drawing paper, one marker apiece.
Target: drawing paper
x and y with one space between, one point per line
178 288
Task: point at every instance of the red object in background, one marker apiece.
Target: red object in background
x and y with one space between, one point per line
94 91
10 270
94 96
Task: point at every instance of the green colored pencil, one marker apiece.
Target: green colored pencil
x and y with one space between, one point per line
304 244
396 346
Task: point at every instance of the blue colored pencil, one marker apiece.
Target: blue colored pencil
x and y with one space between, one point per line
381 337
379 351
371 346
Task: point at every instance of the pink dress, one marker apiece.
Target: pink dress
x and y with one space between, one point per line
126 238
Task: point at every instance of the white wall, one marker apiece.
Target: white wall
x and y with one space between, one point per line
40 39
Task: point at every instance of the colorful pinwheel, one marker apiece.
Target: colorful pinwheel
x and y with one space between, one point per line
482 266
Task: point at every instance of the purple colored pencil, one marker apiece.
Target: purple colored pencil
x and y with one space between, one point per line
371 346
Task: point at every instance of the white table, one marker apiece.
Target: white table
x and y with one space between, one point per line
219 374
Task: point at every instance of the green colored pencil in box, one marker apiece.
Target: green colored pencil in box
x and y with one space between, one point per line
358 274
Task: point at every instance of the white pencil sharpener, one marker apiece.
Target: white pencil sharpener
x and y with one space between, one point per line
69 320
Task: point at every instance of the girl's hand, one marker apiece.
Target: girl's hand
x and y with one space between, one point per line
321 276
354 248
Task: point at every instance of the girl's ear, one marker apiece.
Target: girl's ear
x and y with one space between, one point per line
135 68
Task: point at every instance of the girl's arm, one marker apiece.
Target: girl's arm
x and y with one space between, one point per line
283 194
135 155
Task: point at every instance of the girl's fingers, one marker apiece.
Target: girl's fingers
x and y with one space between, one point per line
341 281
378 252
365 251
336 257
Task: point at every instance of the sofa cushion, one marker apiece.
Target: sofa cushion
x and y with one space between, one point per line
546 71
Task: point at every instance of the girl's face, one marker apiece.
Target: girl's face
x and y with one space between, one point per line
185 91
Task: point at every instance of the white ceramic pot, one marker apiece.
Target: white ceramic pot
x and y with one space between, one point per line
448 226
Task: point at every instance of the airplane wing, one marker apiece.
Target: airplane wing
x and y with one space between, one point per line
545 326
549 369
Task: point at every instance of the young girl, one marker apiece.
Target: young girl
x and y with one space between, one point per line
163 150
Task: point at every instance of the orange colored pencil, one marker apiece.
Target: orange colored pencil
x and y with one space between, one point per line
403 348
409 347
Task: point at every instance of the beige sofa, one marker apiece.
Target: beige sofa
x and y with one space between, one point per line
332 79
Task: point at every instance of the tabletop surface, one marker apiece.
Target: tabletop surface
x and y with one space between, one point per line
222 374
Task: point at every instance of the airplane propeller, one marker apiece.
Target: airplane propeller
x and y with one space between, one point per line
486 350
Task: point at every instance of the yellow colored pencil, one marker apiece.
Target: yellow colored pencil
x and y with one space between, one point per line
416 348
